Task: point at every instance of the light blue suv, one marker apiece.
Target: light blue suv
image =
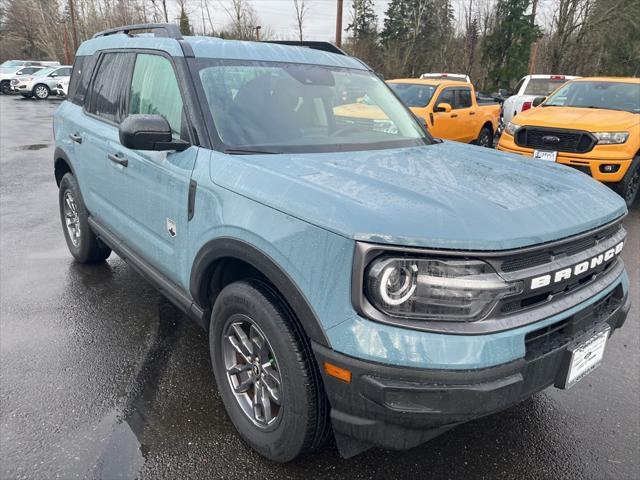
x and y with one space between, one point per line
357 278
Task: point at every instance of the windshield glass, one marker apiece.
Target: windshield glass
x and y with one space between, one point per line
280 107
542 86
604 95
412 94
11 64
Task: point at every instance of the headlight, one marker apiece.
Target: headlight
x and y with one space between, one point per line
611 138
511 128
434 289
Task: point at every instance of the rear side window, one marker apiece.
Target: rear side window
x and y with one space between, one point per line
63 72
155 90
108 90
463 98
79 82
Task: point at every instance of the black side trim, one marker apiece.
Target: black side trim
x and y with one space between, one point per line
173 292
191 203
230 248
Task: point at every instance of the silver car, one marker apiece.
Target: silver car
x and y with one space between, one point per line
43 83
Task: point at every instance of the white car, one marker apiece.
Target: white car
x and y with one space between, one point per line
11 72
461 77
43 83
62 88
527 89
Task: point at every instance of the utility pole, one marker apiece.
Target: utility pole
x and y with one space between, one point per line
74 29
339 24
258 27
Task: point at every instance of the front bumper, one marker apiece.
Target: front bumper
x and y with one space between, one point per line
589 163
400 407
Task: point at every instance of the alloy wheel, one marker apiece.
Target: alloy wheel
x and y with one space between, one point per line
252 371
41 92
634 185
71 218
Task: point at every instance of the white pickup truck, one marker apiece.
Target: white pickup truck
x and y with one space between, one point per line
527 89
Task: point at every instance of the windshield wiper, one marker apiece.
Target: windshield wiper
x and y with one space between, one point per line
248 151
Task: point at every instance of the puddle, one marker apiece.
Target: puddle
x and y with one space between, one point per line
35 146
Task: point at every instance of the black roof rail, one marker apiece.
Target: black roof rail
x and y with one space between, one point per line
169 30
324 46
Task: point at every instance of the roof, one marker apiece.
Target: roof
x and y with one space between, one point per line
430 81
213 47
609 79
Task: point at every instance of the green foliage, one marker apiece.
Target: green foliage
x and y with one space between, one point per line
507 49
364 24
185 26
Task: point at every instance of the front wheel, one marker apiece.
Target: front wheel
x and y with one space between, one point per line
265 373
5 87
82 242
629 186
41 92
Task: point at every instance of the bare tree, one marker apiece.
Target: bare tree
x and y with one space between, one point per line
301 8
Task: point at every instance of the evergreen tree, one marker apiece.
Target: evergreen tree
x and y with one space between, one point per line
507 48
185 26
364 23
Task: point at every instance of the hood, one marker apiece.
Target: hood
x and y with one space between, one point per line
589 119
446 195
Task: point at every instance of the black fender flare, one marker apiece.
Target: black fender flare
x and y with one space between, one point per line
228 247
60 154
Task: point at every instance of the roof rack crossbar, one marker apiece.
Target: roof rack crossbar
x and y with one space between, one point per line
315 45
169 30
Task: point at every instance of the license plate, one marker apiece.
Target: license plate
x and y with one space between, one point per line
584 357
545 155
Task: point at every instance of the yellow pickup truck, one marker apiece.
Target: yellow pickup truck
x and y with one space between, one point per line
449 109
591 124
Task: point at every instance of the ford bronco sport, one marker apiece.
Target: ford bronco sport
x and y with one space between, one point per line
369 283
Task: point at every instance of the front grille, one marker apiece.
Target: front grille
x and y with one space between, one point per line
572 141
545 339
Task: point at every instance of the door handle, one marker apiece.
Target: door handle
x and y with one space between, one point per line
75 137
119 160
454 115
472 113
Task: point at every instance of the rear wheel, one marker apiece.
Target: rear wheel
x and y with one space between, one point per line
485 139
82 242
629 186
265 373
41 91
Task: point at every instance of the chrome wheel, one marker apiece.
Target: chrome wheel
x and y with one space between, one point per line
41 92
71 218
252 371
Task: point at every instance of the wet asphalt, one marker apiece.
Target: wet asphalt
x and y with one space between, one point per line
101 377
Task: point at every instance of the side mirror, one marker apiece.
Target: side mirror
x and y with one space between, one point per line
53 75
443 107
538 100
148 132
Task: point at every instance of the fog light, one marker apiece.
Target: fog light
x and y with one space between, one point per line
609 168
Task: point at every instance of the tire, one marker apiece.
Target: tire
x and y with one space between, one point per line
5 87
41 91
629 186
300 423
485 138
82 242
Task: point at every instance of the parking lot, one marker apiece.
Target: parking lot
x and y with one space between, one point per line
101 377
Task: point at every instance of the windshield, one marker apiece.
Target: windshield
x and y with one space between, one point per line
604 95
278 107
542 86
412 94
12 63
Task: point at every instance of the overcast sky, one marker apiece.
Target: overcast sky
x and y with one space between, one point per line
279 15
